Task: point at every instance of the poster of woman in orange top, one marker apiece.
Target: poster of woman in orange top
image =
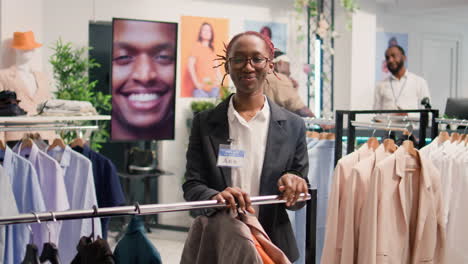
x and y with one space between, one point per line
202 39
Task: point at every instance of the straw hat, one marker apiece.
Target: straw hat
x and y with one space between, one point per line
24 41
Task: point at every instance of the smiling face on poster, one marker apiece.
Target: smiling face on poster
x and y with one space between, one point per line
277 32
384 41
143 79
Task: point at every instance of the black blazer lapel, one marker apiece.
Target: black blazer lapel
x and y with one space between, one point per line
220 135
274 147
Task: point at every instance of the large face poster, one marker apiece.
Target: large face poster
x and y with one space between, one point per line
143 79
203 39
277 32
384 41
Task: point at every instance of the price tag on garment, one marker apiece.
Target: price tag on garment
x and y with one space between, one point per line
229 156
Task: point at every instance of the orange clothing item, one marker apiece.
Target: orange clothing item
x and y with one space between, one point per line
265 258
206 74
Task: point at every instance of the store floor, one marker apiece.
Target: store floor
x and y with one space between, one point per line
169 243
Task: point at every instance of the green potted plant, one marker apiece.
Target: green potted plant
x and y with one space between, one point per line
201 105
70 67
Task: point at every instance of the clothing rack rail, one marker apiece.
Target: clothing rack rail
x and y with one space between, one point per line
318 121
133 210
52 123
384 126
351 130
460 122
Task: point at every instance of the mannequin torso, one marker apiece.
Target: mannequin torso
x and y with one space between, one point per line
25 73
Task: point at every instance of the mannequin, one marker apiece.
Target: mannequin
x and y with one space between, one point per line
23 65
31 87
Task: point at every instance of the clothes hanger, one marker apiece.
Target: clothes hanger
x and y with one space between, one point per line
455 136
78 142
408 145
313 134
95 209
58 142
372 142
323 135
443 136
330 136
2 145
26 142
389 145
50 251
32 256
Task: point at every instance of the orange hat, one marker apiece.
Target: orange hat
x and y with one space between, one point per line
24 41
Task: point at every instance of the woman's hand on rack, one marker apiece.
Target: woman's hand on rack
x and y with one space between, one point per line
291 186
232 194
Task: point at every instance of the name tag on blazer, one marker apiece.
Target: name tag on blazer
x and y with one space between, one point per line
229 156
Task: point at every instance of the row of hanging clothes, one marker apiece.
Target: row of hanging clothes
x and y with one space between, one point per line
320 148
37 177
385 205
449 153
134 247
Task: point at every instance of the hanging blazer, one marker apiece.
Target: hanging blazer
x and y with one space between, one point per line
286 150
336 205
207 244
356 196
385 220
10 81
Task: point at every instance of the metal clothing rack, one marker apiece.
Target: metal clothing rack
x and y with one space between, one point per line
137 209
318 121
460 122
351 135
384 126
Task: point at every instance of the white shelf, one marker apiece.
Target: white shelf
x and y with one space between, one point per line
49 119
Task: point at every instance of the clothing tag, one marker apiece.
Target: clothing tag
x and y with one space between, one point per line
230 157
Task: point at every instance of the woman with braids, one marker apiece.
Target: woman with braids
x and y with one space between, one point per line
248 146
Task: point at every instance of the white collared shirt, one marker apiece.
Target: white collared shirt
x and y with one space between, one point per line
406 93
251 137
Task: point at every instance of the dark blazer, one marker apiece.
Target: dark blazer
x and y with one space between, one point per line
286 150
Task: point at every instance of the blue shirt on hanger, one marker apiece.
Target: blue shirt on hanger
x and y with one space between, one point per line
28 196
79 182
7 207
106 180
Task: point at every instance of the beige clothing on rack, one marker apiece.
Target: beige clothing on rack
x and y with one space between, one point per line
336 201
11 81
398 225
356 193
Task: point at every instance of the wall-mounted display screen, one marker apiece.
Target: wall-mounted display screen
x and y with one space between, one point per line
143 79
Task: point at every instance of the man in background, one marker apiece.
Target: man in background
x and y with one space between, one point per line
282 89
401 90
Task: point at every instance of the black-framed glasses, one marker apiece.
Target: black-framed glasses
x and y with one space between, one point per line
258 62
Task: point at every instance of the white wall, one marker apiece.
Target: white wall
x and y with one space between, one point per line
20 15
69 20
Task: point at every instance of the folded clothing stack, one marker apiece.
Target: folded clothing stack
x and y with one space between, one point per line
59 107
9 104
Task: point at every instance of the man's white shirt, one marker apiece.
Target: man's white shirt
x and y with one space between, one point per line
406 93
